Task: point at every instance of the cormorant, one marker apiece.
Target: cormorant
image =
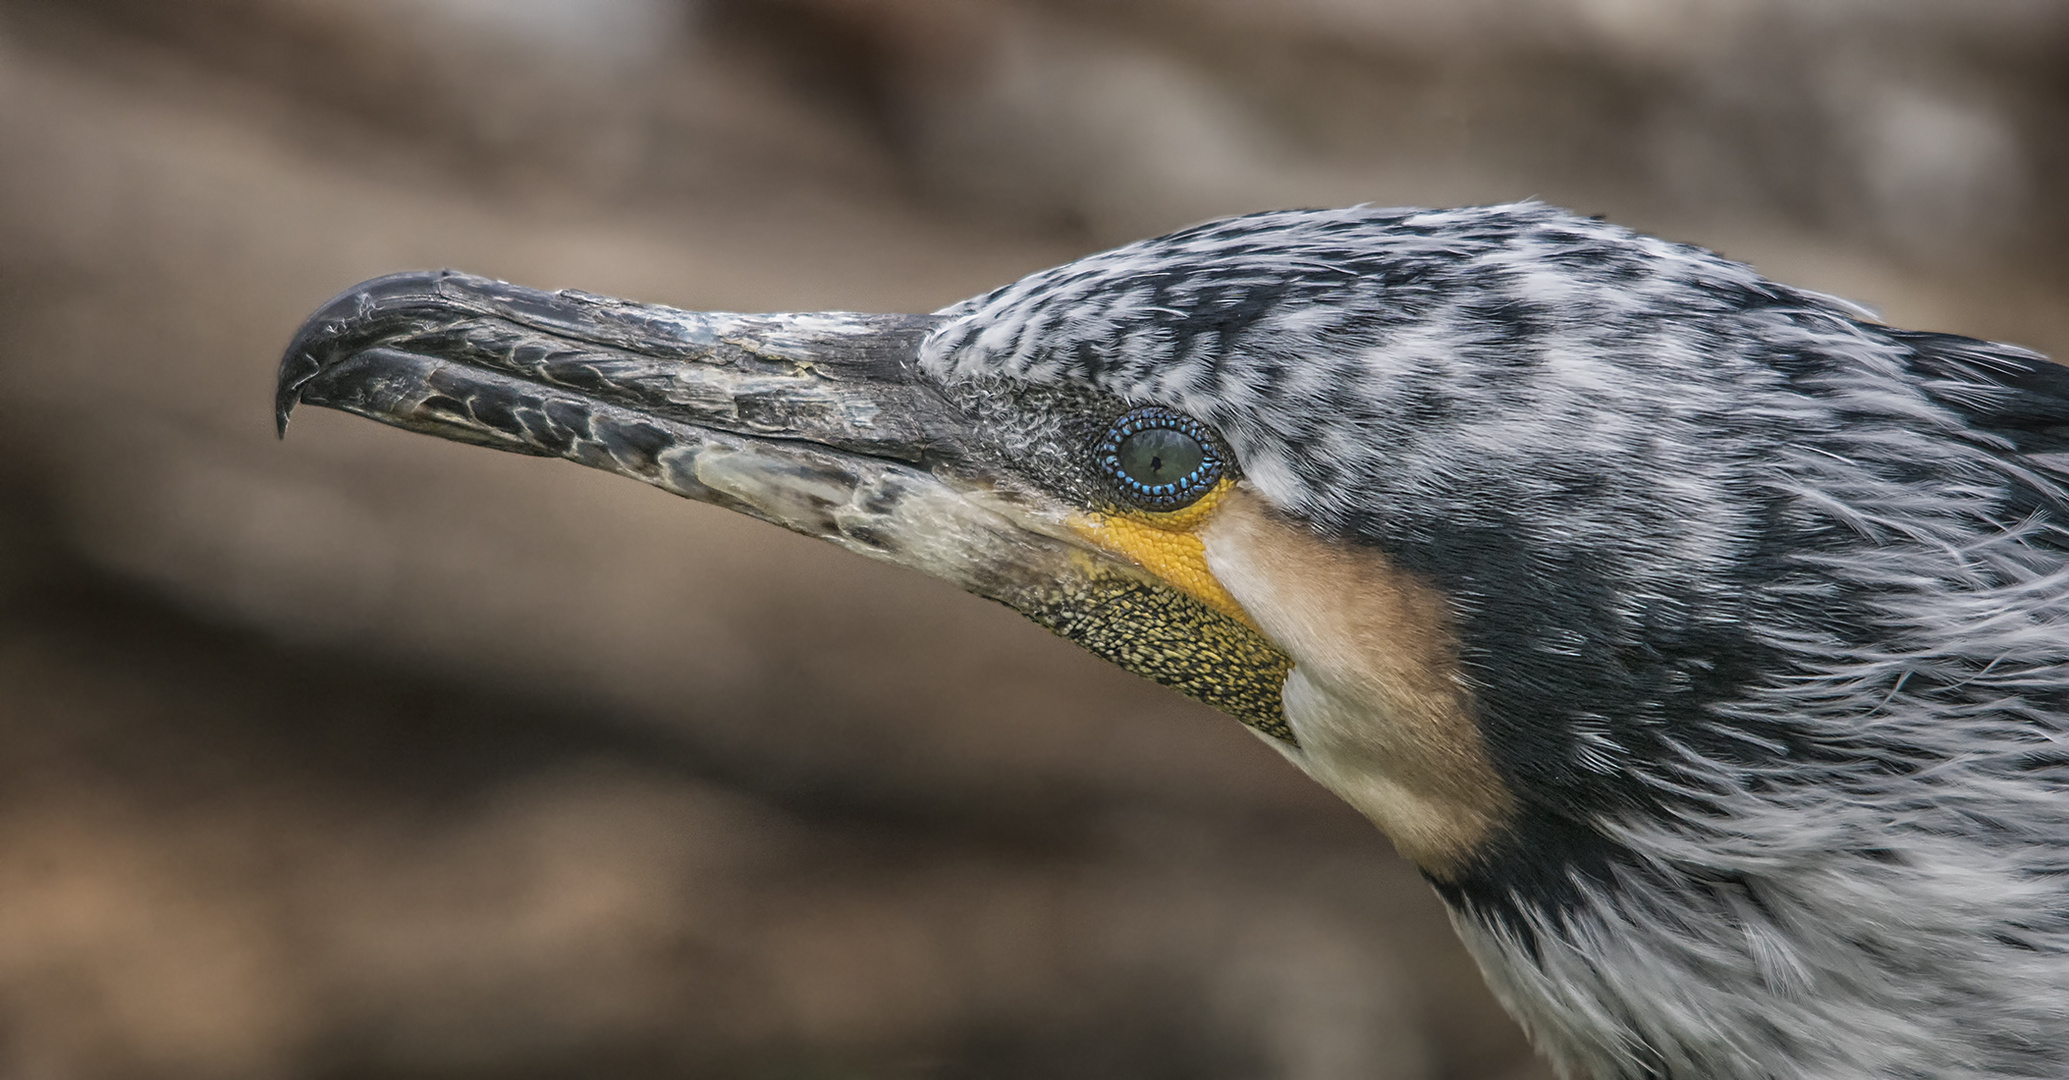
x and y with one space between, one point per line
1705 642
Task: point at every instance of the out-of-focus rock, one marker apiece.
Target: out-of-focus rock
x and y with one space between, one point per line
1925 130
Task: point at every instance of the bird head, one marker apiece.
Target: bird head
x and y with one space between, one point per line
1582 563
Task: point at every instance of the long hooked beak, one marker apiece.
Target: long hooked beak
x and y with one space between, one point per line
819 422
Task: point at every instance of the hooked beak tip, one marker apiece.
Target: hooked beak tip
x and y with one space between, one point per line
316 342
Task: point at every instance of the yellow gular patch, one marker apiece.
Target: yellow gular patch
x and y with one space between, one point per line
1167 545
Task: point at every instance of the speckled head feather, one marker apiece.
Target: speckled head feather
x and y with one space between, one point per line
1762 608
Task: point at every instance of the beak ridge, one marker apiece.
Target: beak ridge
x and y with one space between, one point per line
844 380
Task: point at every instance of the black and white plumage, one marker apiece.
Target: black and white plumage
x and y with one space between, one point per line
1706 642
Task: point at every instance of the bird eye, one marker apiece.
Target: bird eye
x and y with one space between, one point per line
1160 459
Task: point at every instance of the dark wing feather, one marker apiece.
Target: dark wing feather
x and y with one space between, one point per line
2019 396
2017 404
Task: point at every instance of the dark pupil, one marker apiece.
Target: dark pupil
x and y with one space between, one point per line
1156 456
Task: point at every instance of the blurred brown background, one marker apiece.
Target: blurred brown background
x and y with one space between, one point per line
367 755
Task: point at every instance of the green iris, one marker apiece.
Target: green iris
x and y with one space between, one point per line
1159 459
1154 457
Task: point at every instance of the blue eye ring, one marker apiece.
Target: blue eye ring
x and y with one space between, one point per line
1173 493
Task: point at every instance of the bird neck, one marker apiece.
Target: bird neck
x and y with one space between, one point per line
1779 943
